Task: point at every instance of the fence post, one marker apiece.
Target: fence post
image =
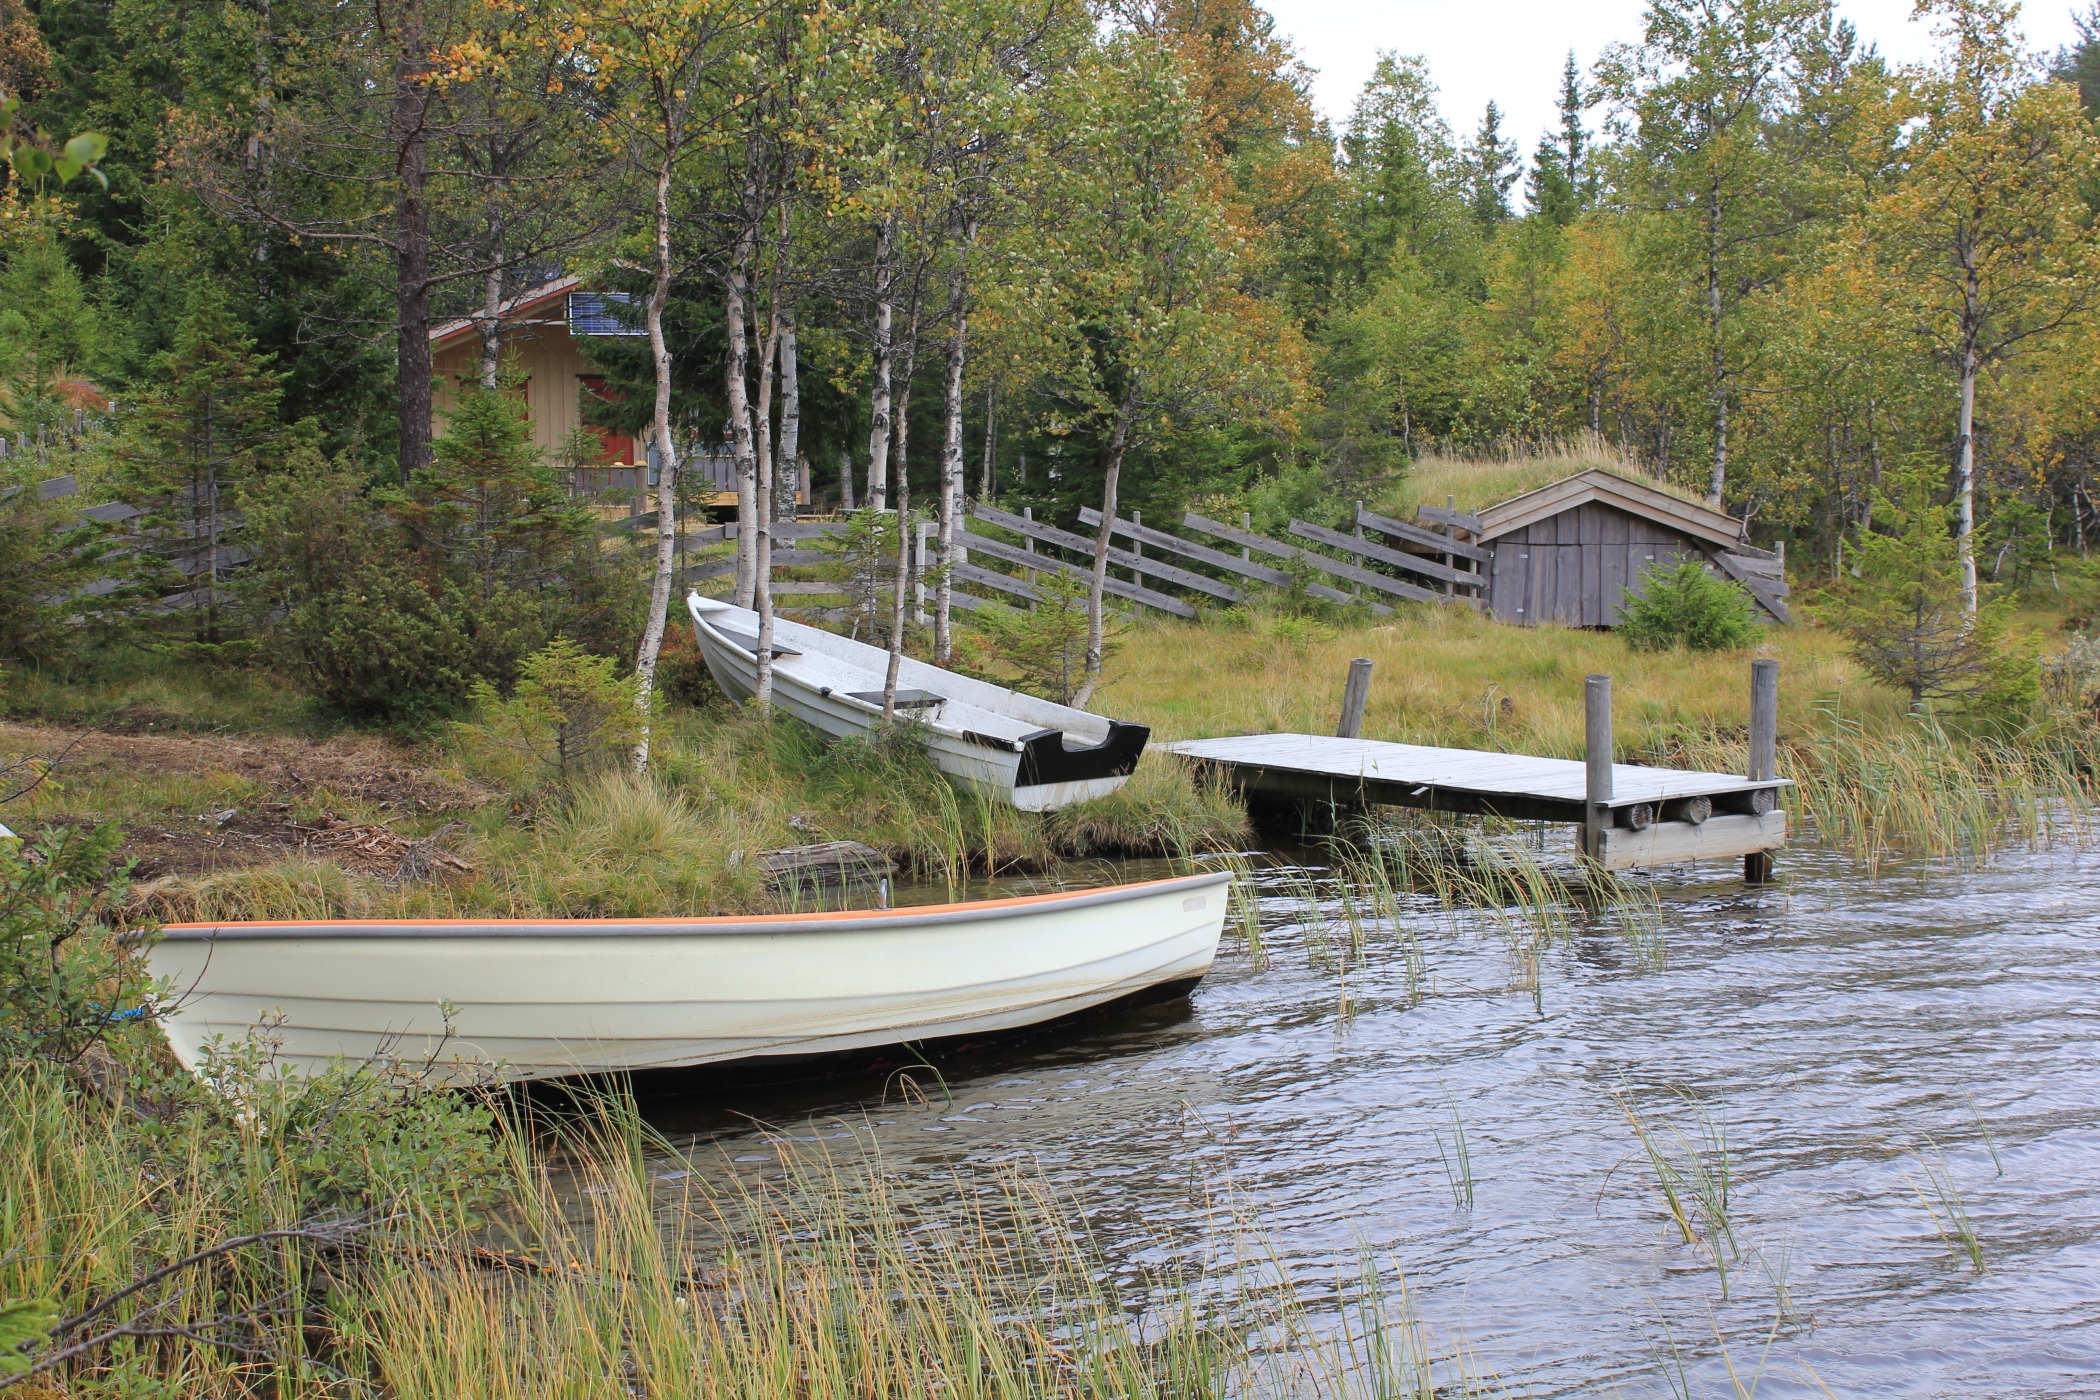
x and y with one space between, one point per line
1596 754
1359 589
1354 696
1137 546
1764 751
1028 543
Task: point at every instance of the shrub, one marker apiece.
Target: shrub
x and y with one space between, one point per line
65 976
1045 647
1688 607
1908 623
389 649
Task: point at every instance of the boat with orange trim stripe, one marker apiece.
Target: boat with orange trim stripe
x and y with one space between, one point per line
540 998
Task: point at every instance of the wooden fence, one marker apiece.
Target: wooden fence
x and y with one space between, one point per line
1440 568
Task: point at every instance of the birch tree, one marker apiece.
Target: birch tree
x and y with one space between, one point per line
655 60
1985 246
1156 338
1696 104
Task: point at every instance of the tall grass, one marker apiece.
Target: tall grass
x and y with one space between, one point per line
1871 777
683 841
1917 787
605 1274
1482 476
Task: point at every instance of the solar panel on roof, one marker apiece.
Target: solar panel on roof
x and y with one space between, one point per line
602 313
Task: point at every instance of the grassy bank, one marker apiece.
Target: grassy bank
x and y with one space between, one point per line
237 804
278 826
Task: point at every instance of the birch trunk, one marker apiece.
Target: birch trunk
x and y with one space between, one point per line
1118 444
736 387
761 527
667 473
1718 482
991 442
491 328
951 480
879 415
1965 487
904 530
787 459
408 135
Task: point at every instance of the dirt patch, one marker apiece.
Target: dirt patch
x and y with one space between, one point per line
352 766
230 840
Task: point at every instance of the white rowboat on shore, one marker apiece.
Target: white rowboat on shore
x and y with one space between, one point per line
1034 753
549 997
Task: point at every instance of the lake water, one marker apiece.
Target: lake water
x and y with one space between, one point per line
1879 1054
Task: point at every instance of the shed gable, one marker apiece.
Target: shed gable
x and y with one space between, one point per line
1571 567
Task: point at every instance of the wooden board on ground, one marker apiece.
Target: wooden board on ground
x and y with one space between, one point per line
829 865
1674 843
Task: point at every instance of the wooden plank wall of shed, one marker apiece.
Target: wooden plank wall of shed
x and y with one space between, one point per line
1571 567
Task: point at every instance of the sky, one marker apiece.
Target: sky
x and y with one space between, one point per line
1511 51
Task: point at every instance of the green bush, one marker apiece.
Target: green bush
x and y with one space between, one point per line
1044 649
64 975
386 648
1688 607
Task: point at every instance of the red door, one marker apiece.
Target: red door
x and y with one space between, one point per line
615 447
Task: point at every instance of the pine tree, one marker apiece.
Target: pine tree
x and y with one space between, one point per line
1906 617
51 334
490 513
1574 140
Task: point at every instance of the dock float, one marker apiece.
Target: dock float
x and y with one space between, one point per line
1628 815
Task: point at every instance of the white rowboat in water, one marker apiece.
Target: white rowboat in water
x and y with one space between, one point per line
547 997
1034 753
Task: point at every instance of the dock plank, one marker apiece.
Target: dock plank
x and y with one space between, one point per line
1519 786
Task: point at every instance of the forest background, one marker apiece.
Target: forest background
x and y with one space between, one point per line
1086 249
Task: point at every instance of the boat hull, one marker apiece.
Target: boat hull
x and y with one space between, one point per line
1031 768
538 999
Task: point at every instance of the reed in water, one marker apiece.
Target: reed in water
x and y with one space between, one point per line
576 1255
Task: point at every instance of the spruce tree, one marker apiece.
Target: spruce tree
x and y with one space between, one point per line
1559 185
51 335
2079 65
491 513
1905 617
207 425
1492 165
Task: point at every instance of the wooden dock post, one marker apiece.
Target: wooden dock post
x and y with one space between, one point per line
1354 696
1764 751
1596 754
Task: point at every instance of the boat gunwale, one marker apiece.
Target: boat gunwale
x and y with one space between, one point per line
842 920
995 742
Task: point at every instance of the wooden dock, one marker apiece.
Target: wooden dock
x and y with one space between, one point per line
1628 815
1650 807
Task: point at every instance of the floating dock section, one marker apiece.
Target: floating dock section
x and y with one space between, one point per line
1628 815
